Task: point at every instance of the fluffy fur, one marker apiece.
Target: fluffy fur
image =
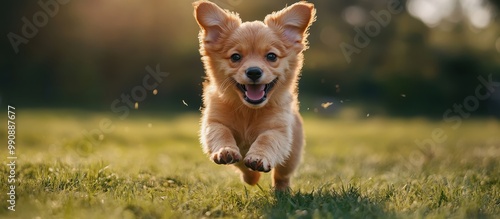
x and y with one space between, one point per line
250 116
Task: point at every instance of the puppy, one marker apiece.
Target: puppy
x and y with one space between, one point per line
251 116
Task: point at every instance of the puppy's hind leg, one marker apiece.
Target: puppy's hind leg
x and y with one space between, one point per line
249 176
283 172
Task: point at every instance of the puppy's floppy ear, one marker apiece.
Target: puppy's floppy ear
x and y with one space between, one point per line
292 22
214 22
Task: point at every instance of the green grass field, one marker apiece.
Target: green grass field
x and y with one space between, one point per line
153 167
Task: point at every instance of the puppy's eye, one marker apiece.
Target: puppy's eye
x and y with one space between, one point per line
271 57
235 57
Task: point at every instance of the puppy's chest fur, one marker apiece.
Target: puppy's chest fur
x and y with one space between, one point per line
248 125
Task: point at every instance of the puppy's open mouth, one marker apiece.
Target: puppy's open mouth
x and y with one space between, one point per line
256 93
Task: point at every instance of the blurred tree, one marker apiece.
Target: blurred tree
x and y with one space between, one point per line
92 52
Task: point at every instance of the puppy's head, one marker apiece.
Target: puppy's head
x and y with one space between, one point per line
254 61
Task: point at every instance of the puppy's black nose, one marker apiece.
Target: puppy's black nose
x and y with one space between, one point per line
254 73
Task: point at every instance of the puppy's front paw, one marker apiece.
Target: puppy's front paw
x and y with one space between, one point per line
226 155
257 163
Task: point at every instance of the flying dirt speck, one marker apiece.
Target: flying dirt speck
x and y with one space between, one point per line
155 92
136 106
184 102
326 105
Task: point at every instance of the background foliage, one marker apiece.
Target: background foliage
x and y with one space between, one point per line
91 52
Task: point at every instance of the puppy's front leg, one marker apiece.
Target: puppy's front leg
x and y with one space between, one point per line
219 143
271 148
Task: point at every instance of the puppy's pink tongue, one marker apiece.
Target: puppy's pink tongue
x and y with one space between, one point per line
255 91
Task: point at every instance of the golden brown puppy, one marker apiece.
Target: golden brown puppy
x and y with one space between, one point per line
251 117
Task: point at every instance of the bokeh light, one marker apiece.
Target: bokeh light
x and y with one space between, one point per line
432 12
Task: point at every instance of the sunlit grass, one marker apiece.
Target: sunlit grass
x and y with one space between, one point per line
151 166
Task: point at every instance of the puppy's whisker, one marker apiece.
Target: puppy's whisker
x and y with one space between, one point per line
225 85
238 108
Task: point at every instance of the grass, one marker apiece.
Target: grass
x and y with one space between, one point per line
153 167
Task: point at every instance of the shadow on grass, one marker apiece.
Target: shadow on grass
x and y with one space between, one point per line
346 202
